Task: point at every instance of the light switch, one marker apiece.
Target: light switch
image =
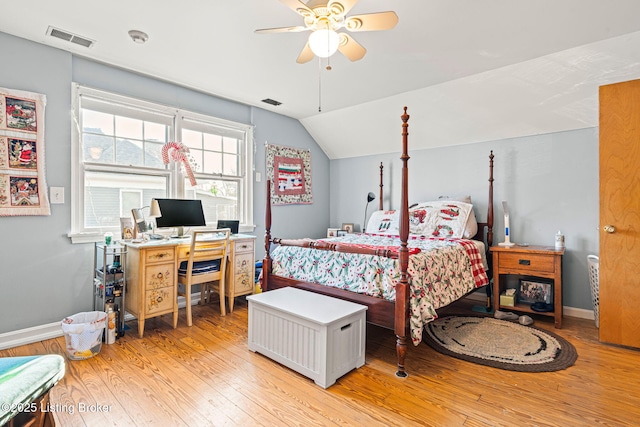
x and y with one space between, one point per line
258 177
56 194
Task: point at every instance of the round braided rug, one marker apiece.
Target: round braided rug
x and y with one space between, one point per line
500 343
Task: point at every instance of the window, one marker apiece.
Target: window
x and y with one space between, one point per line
118 162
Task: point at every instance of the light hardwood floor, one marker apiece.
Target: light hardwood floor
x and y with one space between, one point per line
205 375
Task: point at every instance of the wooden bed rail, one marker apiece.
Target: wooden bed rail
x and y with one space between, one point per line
336 247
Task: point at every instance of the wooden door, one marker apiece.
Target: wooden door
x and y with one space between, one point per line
620 208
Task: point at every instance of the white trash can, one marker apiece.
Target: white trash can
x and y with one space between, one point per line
594 280
83 334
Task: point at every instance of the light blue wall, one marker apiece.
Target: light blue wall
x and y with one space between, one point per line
549 181
43 277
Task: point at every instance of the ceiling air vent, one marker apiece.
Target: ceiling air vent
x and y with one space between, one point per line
67 36
272 101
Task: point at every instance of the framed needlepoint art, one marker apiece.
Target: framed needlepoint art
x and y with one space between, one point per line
23 190
289 170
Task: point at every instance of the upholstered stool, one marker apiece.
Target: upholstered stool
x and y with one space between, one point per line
24 388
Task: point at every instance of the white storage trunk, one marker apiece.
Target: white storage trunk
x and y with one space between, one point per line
320 337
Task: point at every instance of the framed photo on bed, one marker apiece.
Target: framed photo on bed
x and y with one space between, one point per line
531 292
348 227
332 232
341 233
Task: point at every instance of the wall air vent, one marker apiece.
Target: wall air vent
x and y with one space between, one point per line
272 101
67 36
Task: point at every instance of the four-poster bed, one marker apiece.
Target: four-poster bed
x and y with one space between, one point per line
397 304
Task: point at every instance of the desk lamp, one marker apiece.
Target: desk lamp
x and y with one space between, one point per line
507 238
154 212
370 197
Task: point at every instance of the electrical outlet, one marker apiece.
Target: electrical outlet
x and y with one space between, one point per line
56 194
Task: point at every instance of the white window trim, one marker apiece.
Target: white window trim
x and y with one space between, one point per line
77 170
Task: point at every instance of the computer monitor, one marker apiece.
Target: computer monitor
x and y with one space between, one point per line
180 213
233 224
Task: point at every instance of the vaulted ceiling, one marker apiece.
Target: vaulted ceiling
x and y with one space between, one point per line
468 70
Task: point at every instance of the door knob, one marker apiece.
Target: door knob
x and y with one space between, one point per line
609 228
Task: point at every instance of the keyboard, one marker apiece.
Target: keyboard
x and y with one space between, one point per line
156 236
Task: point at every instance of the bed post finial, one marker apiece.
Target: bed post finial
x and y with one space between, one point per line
402 288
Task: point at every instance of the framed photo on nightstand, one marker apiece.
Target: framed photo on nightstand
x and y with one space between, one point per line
332 232
531 292
348 227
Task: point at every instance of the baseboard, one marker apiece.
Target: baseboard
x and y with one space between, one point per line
54 330
30 335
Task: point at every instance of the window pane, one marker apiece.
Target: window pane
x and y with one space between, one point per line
219 198
230 164
103 202
129 199
128 128
96 122
212 142
97 148
155 132
231 145
192 139
153 155
129 152
212 162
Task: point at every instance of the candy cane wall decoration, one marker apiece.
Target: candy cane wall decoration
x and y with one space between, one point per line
177 151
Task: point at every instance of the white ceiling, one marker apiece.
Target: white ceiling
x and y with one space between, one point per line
468 70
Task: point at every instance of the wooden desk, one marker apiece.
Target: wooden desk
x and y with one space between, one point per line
531 261
152 275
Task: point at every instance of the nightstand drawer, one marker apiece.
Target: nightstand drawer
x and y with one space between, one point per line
527 262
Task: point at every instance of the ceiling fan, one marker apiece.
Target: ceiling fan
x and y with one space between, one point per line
324 18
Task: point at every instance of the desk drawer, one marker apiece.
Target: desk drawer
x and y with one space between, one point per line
527 262
159 255
244 246
159 276
159 300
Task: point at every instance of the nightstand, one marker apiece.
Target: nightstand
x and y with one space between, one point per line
532 262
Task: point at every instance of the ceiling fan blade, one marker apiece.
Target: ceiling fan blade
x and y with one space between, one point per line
298 6
341 7
306 55
351 48
295 29
371 21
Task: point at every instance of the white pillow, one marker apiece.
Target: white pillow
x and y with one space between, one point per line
441 218
471 227
384 222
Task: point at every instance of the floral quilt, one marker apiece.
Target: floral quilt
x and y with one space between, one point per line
440 271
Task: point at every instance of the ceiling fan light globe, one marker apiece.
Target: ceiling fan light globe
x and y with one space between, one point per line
324 43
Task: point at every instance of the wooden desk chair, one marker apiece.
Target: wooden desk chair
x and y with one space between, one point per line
207 263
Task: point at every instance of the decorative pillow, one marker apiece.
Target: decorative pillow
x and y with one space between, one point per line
441 218
384 222
471 227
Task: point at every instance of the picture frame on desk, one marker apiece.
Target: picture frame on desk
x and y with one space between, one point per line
126 229
530 292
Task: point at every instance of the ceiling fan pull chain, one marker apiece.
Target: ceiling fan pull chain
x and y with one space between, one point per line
319 85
